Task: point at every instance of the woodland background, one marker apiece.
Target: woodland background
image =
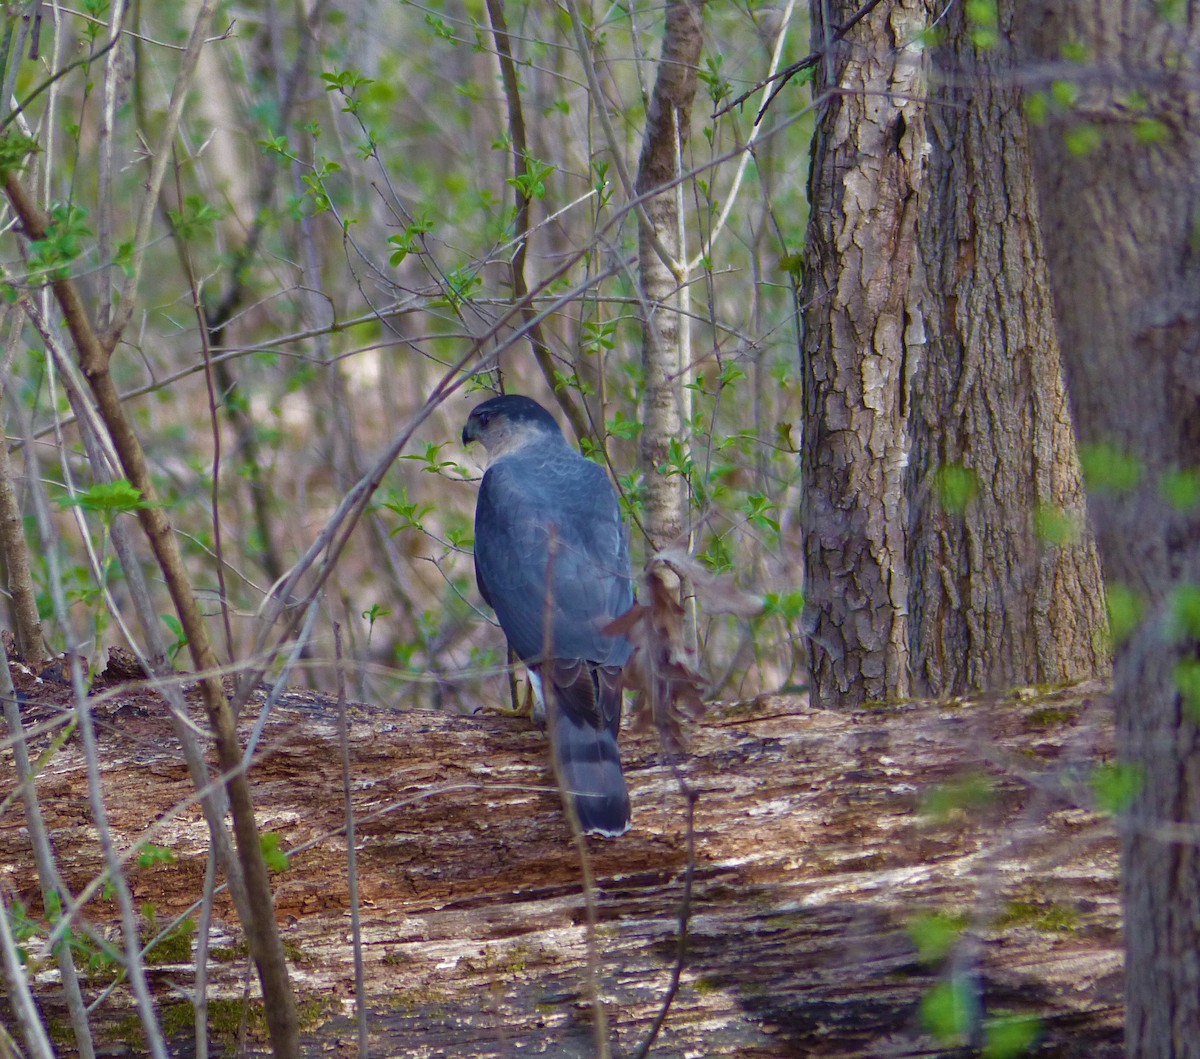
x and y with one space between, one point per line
801 278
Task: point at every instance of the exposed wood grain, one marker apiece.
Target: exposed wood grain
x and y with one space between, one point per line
812 859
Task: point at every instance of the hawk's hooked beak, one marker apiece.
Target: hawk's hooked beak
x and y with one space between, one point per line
470 431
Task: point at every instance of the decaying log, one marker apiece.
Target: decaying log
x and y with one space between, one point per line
819 837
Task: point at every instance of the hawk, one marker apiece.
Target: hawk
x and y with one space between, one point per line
552 560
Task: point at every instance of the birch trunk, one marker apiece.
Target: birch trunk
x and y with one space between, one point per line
661 253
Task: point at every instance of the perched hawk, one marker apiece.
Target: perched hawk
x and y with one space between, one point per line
552 560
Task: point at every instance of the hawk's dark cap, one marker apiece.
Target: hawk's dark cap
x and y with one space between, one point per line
513 407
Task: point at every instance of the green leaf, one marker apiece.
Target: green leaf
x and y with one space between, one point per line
935 934
1075 51
621 426
276 859
276 145
1184 603
1109 469
1182 489
711 76
1151 131
957 486
1115 785
65 231
1065 93
787 605
15 148
947 1010
1037 107
793 265
1125 609
758 508
1010 1036
150 854
196 216
1055 526
983 20
1083 139
946 799
176 627
107 498
1187 680
532 183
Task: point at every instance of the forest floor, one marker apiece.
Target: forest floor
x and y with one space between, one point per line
824 842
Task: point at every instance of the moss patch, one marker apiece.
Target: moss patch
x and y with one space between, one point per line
1045 717
1048 918
176 947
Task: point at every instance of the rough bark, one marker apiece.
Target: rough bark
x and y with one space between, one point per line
1120 229
995 601
812 857
863 298
660 262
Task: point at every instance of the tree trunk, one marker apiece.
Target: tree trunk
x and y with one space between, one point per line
1005 582
863 291
1119 223
945 533
661 259
27 623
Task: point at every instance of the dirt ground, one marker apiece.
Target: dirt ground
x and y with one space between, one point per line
821 837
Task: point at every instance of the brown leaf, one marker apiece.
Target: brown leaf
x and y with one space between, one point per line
662 670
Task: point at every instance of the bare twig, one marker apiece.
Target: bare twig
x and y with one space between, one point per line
520 157
104 464
731 196
261 929
116 876
19 996
200 993
635 201
587 876
43 856
360 986
215 427
685 915
159 159
788 72
104 169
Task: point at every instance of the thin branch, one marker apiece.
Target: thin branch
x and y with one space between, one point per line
360 985
19 109
261 929
160 158
786 74
31 643
43 856
685 915
134 966
19 995
104 154
588 876
520 159
744 161
203 928
635 201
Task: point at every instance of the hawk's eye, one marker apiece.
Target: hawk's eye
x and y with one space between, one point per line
484 418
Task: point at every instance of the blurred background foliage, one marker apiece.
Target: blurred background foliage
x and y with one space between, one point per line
336 234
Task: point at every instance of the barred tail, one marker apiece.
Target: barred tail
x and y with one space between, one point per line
589 768
584 737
